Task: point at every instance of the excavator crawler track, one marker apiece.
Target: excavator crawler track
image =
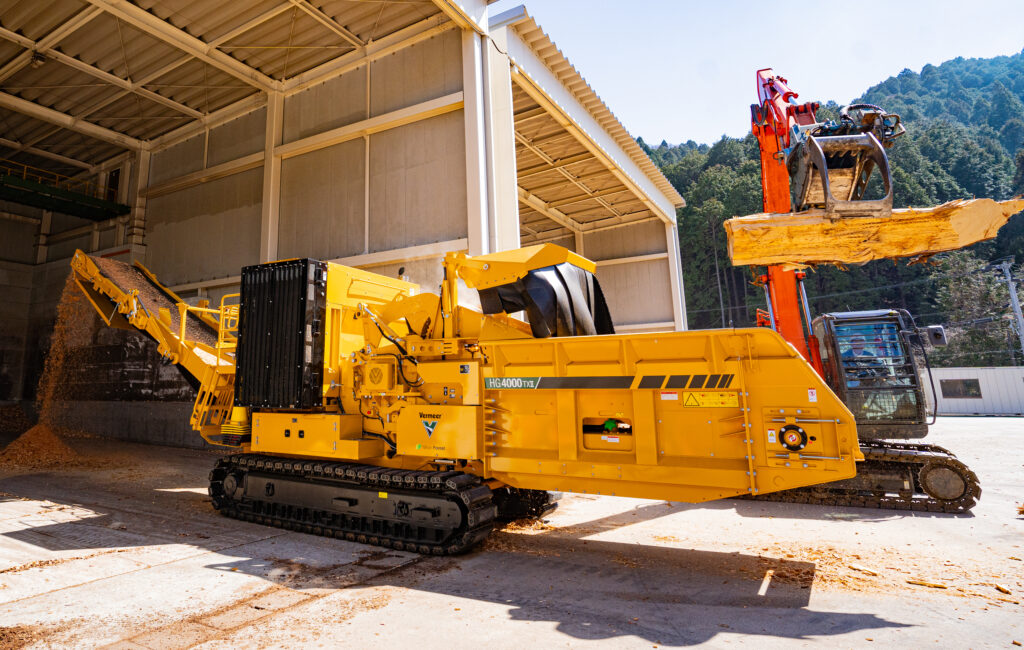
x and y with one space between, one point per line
940 482
429 512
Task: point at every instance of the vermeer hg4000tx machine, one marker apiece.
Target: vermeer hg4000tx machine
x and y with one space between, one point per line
362 410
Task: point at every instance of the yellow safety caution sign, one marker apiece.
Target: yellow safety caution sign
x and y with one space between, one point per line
711 399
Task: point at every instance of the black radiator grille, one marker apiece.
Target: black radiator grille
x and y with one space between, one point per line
280 356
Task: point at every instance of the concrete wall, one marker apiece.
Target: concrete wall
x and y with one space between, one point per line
16 289
392 192
639 292
390 189
210 230
151 422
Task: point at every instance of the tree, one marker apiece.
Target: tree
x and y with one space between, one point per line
974 303
965 134
1018 178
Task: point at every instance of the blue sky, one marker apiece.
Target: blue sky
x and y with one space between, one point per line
679 70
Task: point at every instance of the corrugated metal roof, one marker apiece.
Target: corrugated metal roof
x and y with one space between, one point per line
134 76
115 65
569 76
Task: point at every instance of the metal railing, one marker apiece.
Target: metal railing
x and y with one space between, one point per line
53 179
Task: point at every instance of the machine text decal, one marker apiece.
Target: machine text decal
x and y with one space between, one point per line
711 399
505 383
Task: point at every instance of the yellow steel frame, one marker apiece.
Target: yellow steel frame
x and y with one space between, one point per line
686 416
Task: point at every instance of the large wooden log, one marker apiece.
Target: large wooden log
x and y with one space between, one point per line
797 240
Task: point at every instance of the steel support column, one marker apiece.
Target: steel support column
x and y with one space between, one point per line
271 209
501 134
136 231
675 274
474 111
44 231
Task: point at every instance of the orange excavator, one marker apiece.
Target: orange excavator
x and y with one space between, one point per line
815 178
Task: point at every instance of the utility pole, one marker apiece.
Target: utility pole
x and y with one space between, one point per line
1014 300
718 277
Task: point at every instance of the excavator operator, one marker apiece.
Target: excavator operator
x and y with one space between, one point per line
860 363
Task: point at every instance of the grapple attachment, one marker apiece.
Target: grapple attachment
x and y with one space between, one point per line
831 163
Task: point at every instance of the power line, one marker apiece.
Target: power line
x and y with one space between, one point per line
930 278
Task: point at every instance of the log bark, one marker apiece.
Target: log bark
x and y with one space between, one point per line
798 240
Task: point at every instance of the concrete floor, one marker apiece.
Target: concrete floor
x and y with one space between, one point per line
128 552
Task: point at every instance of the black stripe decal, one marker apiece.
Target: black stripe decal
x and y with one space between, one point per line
698 381
726 380
677 381
585 382
713 381
651 381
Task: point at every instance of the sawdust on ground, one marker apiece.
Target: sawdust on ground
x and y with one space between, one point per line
43 445
19 636
38 447
13 420
822 566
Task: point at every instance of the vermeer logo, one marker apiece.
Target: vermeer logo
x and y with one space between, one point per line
429 422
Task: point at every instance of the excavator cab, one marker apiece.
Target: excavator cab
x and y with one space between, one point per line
830 163
875 362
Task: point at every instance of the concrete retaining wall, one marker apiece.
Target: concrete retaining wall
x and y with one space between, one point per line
155 423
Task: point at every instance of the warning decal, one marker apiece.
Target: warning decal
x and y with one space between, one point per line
711 399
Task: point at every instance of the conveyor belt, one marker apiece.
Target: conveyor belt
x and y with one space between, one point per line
154 297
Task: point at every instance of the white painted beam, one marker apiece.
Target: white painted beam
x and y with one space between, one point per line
407 254
475 118
538 81
467 14
135 231
554 214
530 172
526 142
270 211
501 147
611 223
230 112
353 131
236 166
645 327
676 276
328 138
249 24
632 260
380 258
400 117
387 45
56 35
42 153
44 231
63 120
104 76
20 218
328 22
151 24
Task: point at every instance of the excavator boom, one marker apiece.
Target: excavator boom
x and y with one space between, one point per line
815 176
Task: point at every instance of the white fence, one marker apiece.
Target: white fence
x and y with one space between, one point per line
979 391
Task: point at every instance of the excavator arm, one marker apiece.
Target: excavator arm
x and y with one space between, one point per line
814 177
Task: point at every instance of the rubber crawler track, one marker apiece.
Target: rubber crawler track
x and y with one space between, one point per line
465 490
885 455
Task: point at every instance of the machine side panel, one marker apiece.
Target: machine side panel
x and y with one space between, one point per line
281 335
687 416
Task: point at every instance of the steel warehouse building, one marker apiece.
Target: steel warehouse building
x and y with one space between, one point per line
200 137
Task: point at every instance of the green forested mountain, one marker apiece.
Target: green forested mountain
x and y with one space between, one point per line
965 138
